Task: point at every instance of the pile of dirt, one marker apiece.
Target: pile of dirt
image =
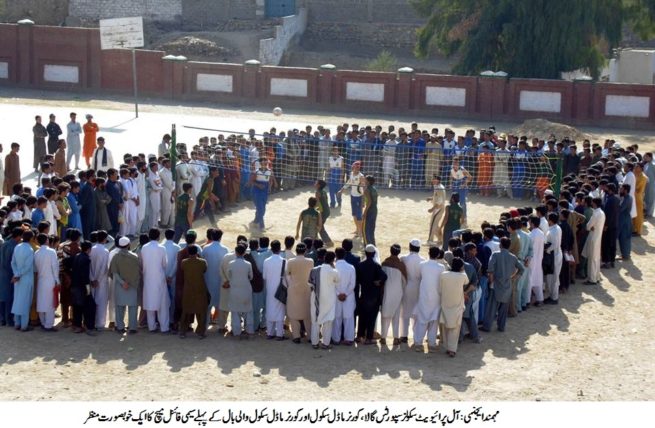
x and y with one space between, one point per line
543 129
195 47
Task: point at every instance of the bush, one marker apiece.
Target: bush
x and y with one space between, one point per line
385 61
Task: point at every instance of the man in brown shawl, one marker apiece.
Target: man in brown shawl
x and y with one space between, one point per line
195 300
299 292
12 169
182 255
61 168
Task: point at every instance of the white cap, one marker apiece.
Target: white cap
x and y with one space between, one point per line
548 192
370 248
415 242
124 241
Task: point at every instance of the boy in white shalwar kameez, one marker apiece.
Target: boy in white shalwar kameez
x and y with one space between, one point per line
394 289
345 305
426 312
46 266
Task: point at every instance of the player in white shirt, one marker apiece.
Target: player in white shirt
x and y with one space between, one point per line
356 185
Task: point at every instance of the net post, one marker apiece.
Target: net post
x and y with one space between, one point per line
557 185
173 151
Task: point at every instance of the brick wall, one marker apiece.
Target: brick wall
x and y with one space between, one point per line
70 59
151 10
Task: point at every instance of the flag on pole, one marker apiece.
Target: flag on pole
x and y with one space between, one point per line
173 153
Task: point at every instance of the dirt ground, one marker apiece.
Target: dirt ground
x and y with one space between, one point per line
597 344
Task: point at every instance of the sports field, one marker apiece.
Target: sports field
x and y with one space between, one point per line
597 344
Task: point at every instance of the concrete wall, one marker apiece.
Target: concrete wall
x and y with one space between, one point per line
70 59
272 50
360 11
50 12
372 35
207 13
634 66
152 10
377 24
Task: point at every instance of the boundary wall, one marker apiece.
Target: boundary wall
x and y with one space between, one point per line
70 59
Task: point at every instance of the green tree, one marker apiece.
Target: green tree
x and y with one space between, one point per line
641 17
535 38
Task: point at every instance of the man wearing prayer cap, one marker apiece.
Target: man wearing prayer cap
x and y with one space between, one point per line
125 273
412 263
368 294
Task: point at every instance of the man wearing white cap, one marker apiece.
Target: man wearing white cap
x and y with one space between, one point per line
412 263
368 293
393 294
125 273
428 307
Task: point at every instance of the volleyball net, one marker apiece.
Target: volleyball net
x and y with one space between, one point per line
300 160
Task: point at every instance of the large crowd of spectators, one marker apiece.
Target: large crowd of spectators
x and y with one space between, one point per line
55 256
